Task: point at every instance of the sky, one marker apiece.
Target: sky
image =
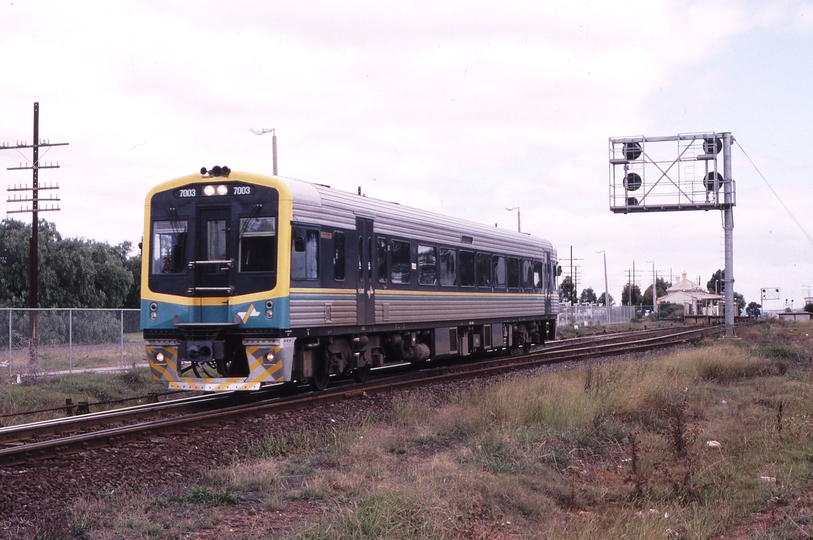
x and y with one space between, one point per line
462 108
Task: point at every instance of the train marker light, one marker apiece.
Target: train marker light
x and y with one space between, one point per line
269 314
153 316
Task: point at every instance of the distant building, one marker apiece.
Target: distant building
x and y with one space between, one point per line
695 300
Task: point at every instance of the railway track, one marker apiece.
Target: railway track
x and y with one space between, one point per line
58 439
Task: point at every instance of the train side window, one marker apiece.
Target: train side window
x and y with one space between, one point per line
448 267
258 244
483 270
527 274
498 265
466 269
427 265
169 247
401 262
381 258
305 254
539 275
338 256
513 273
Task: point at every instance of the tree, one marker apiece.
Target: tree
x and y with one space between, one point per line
566 290
661 285
753 310
716 285
739 301
602 302
636 295
588 296
73 272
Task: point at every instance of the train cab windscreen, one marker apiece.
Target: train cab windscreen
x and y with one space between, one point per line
169 247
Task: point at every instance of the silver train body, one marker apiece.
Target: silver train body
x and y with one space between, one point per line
251 280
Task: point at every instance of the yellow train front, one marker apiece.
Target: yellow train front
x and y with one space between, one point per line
250 280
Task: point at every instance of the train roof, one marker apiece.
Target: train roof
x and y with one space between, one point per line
320 204
316 203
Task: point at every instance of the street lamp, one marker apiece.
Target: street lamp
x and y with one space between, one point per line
517 209
606 288
272 131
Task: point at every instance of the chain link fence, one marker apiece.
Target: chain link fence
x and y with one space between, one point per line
589 315
68 340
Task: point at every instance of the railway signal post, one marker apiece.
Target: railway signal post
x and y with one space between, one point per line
676 173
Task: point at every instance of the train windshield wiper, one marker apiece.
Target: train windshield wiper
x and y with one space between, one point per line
251 217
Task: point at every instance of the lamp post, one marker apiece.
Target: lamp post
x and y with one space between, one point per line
606 288
273 132
518 222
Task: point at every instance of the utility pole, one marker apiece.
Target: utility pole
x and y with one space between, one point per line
33 253
574 270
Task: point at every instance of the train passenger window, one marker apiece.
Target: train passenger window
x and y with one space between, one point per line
258 244
527 274
381 257
448 267
513 273
401 262
338 256
483 270
305 254
168 247
539 275
427 265
466 269
498 265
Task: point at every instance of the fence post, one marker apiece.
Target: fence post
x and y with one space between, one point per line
70 340
9 342
121 336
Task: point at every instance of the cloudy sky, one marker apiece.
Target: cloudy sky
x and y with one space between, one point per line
463 108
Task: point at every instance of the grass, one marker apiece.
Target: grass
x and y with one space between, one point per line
44 393
707 441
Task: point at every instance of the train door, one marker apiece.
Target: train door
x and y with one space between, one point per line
548 284
365 286
213 262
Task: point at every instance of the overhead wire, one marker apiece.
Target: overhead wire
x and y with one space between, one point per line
801 228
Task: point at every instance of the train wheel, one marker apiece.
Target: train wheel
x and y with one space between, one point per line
321 375
361 374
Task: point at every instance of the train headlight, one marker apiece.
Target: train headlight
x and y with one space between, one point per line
269 357
160 358
153 306
222 190
269 304
209 191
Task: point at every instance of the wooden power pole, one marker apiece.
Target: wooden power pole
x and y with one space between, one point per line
35 209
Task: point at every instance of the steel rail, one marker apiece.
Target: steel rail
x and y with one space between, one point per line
62 447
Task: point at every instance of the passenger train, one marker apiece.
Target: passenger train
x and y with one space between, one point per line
251 280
